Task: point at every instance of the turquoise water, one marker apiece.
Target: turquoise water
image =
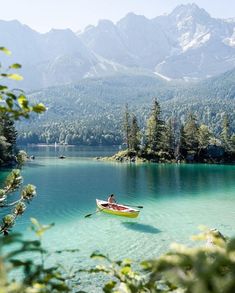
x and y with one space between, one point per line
176 199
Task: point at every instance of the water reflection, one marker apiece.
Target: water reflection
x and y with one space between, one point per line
69 151
178 180
35 165
3 175
141 227
133 181
131 178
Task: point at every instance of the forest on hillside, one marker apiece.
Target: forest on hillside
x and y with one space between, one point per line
91 112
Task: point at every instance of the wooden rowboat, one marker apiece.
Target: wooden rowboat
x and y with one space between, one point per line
116 209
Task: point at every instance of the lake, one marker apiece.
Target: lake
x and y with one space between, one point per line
177 198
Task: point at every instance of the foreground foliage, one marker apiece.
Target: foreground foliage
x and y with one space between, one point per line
13 105
35 275
14 102
18 206
209 269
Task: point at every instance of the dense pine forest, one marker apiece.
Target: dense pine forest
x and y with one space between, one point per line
91 111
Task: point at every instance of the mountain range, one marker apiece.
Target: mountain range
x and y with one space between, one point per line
187 44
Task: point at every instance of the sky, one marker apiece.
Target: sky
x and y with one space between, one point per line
43 15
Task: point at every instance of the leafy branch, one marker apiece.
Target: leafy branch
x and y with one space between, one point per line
14 102
37 276
28 192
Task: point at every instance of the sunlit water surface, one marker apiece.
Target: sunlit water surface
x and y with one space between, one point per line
176 199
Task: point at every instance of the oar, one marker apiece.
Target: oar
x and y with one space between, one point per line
93 213
140 207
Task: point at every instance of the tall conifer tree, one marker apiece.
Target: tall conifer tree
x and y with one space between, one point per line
154 128
7 138
134 134
224 136
191 134
126 127
168 139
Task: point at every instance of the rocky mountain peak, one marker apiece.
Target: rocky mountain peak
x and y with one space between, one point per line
189 10
185 44
132 19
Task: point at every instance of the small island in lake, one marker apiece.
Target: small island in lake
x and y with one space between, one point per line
168 142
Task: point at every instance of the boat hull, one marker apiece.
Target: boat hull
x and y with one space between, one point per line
128 212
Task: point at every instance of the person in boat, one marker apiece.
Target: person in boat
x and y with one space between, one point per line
112 201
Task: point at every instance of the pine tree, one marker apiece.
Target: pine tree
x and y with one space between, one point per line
204 136
9 131
134 134
154 128
126 127
168 139
191 134
182 146
7 138
232 141
224 136
4 154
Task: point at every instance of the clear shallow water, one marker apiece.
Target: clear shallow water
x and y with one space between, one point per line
176 199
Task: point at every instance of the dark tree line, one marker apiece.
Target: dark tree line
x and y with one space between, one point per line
165 140
7 139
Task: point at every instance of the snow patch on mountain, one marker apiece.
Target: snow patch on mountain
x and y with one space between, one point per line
230 41
185 44
198 41
162 76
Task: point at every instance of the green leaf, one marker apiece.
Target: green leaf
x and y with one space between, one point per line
19 263
5 50
231 245
125 270
43 229
127 262
35 222
23 102
9 102
15 76
97 254
15 66
39 108
3 87
108 287
11 95
146 265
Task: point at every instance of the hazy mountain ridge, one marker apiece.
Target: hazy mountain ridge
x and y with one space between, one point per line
55 58
186 44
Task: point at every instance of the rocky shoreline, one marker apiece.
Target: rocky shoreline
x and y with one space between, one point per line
160 157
